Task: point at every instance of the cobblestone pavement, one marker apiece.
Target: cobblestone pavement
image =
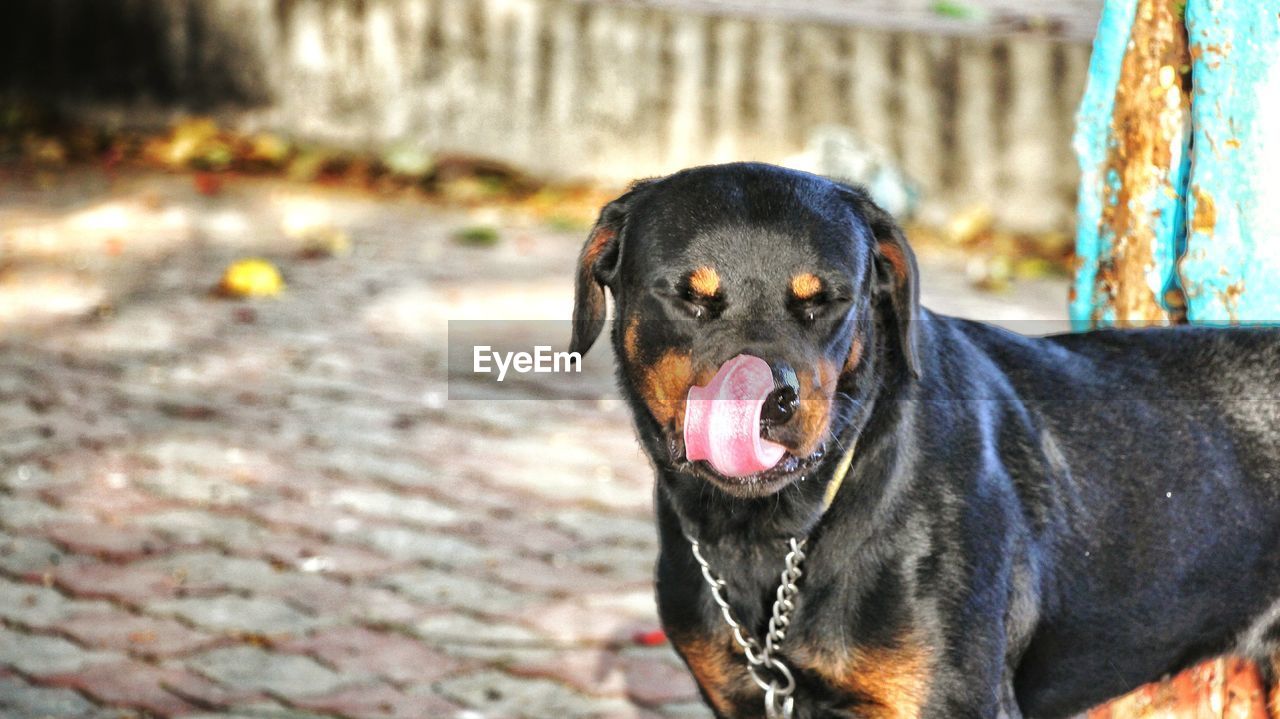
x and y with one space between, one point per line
213 507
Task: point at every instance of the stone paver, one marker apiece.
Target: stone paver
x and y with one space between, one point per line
357 651
19 700
136 685
146 636
42 655
450 588
255 668
271 509
437 548
35 605
476 638
29 556
502 695
382 702
18 512
231 613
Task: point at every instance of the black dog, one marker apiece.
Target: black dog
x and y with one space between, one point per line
1028 526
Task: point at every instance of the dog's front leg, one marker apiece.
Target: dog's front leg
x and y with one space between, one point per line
972 677
1008 700
975 699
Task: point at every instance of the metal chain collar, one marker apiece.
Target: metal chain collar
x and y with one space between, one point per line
768 670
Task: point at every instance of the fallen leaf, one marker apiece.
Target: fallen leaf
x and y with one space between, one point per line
208 183
251 277
477 236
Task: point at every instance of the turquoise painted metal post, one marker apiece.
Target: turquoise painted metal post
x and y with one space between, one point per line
1178 138
1231 269
1092 138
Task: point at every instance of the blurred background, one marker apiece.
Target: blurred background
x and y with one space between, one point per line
972 102
233 234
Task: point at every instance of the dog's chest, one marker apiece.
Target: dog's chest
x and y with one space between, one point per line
834 669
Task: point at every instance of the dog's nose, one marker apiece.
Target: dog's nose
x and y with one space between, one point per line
780 406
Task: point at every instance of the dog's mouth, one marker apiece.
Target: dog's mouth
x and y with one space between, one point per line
789 469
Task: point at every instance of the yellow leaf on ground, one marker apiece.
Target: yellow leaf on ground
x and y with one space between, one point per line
251 277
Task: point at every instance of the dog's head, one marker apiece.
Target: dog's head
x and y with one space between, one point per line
709 263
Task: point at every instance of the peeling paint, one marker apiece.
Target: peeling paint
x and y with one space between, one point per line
1090 142
1179 201
1145 165
1205 216
1235 203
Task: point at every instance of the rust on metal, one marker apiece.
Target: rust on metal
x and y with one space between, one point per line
1230 296
1205 216
1228 688
1199 52
1151 114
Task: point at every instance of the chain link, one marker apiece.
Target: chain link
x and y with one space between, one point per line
763 663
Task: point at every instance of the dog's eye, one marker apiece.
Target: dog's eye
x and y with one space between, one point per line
698 306
685 303
815 308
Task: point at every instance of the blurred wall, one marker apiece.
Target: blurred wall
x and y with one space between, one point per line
976 113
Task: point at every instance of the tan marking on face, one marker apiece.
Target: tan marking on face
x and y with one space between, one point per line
896 259
855 355
593 303
893 681
718 671
814 414
705 282
805 285
631 339
595 245
664 386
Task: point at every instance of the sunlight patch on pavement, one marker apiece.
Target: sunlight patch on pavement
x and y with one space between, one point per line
103 230
140 329
31 297
300 214
228 227
424 312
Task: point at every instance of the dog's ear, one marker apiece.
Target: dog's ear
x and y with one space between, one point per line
896 274
597 268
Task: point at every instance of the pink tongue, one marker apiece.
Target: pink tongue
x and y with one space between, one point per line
722 420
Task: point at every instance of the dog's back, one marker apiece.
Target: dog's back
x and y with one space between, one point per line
1159 454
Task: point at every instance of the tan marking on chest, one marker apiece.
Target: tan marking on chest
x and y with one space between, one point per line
719 671
886 682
